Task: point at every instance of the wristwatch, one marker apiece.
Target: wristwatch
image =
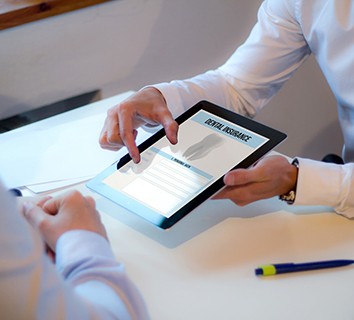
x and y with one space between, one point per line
290 196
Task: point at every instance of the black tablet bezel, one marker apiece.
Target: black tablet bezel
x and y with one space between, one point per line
274 136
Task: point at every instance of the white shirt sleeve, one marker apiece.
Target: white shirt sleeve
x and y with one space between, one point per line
326 184
256 71
88 282
274 50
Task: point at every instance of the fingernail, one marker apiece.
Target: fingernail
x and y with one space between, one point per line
229 180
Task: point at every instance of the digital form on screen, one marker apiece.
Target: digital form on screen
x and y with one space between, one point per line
168 176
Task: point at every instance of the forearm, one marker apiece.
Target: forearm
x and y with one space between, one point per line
96 276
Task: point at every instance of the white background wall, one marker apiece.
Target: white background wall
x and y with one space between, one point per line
126 44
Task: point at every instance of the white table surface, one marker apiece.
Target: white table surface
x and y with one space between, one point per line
203 267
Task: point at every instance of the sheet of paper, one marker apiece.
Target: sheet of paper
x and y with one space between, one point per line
56 185
56 153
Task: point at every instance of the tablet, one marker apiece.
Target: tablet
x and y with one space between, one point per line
172 180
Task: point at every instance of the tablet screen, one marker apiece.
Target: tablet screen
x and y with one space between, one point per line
170 178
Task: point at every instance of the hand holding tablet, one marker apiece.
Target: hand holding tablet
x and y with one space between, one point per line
172 180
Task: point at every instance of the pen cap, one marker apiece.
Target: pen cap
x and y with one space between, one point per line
267 270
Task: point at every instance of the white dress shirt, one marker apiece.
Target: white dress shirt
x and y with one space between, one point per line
286 33
85 283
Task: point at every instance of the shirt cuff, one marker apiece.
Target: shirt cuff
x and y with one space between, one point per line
77 245
325 184
172 97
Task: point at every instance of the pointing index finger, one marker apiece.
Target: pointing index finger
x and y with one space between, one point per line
128 135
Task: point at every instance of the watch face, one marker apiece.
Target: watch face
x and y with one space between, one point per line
289 197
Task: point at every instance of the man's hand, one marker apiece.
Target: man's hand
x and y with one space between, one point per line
269 177
55 216
147 106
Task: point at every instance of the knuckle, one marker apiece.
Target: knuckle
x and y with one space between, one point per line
111 137
124 110
73 195
44 225
111 112
76 194
103 139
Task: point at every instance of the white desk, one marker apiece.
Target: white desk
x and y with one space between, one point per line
203 267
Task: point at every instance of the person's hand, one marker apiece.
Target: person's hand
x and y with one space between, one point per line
55 216
271 176
147 106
